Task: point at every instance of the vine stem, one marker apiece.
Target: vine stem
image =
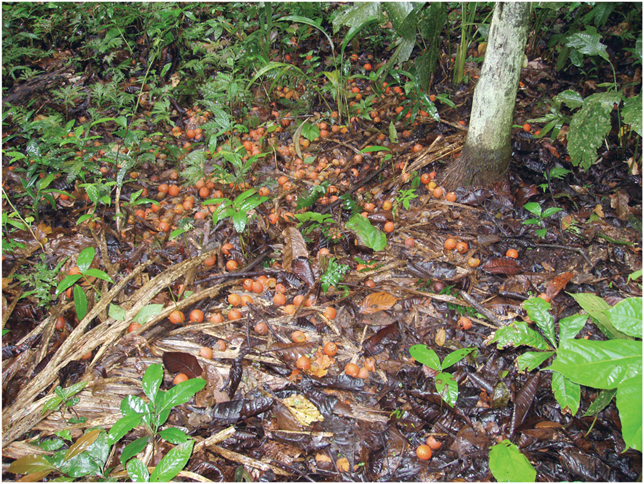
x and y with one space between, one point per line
22 219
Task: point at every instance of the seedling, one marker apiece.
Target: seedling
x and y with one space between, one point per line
333 274
238 210
65 398
445 382
541 214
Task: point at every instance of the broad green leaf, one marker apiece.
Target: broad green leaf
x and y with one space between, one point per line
356 14
98 274
567 393
174 435
173 462
80 301
530 360
589 126
44 183
51 405
147 312
116 312
82 443
137 471
533 208
599 364
179 394
122 426
85 258
538 309
30 464
68 282
151 382
134 405
371 149
601 402
551 211
51 444
632 112
310 131
252 203
80 465
367 233
133 448
629 404
518 333
508 464
239 221
72 390
307 21
626 316
456 356
595 306
99 451
162 417
569 327
422 354
448 388
570 98
588 43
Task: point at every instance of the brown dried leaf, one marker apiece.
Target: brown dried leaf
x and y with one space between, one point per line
178 362
558 283
294 247
619 202
290 352
377 301
502 265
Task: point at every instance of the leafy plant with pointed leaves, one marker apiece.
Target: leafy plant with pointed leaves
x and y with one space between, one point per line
333 274
238 210
541 214
508 464
445 382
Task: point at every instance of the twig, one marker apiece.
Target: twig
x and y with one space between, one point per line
565 247
488 314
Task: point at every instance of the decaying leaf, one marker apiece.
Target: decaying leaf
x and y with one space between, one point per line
302 269
305 412
179 362
502 265
558 283
377 301
294 247
322 362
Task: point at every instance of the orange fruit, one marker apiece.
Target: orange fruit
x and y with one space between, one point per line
176 317
196 316
173 190
163 188
303 363
205 352
423 452
210 261
363 373
367 67
234 300
248 284
279 299
464 323
410 242
232 265
245 299
226 248
472 262
298 337
438 192
258 287
461 247
330 313
60 324
352 369
512 253
261 328
433 443
234 314
450 197
330 349
450 244
389 227
180 378
133 327
527 127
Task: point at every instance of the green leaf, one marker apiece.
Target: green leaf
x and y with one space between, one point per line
80 301
356 15
427 357
68 282
567 393
310 131
371 149
151 382
626 316
179 394
589 126
85 258
116 312
174 435
173 462
587 43
448 388
537 310
599 364
307 21
393 135
570 98
137 471
367 233
51 444
530 360
533 208
629 404
508 464
551 211
98 274
51 405
134 405
456 356
569 327
239 221
147 312
518 333
595 306
632 113
601 402
30 464
133 448
122 426
82 443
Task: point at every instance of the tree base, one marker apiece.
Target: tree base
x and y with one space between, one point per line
476 168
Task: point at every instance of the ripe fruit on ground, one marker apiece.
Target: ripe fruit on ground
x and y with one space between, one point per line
330 349
303 363
205 352
204 192
261 328
163 188
220 345
450 244
369 364
289 309
196 316
389 227
281 180
217 318
210 261
234 299
512 253
464 323
133 327
461 247
74 271
527 127
164 227
450 197
352 369
433 444
226 248
248 285
423 452
60 324
367 67
264 192
425 178
173 190
245 299
472 262
176 317
232 265
298 337
279 299
544 296
410 242
438 192
234 314
363 373
180 378
417 147
330 313
258 287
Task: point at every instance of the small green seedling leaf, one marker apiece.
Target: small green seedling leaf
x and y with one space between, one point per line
137 471
530 360
448 388
538 309
422 354
151 382
367 233
508 464
456 356
174 435
567 393
116 312
80 301
173 462
133 448
85 258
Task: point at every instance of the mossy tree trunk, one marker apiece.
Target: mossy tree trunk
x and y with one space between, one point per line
485 158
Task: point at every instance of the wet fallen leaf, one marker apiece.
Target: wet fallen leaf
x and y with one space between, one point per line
377 301
558 283
294 247
502 265
304 411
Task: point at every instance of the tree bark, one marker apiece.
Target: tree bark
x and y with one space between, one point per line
485 158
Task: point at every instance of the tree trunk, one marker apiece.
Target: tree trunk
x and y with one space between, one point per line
485 158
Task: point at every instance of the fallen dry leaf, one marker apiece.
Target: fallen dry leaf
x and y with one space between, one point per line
558 283
377 301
